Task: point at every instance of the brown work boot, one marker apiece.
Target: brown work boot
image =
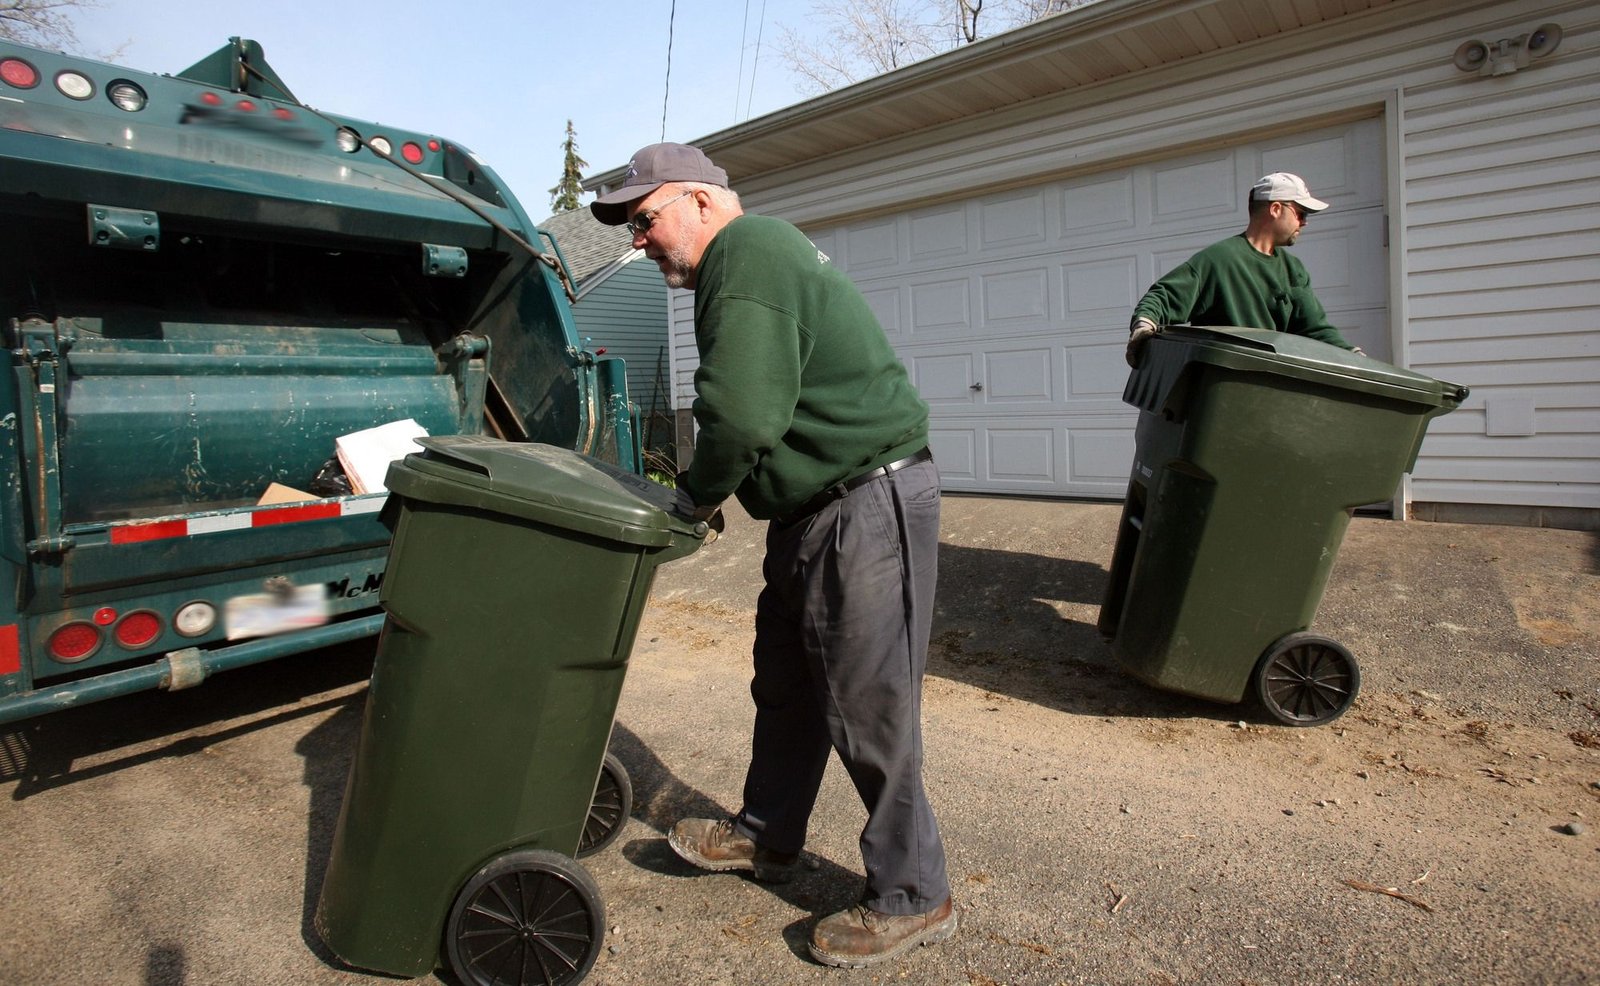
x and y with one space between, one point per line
717 845
861 936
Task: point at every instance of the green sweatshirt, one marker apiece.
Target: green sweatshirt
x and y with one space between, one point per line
798 387
1232 283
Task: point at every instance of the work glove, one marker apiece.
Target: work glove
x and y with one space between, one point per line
1142 329
684 506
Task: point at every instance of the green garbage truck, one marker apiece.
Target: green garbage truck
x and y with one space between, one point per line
220 308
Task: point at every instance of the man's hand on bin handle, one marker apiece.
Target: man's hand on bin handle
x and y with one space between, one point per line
683 505
1142 329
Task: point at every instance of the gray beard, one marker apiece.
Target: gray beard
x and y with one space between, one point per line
678 273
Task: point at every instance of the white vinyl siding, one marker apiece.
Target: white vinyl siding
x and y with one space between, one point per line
1502 220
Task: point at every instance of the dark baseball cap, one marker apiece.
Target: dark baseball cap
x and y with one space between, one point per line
651 168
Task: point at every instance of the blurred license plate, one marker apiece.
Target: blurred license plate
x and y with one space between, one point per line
276 612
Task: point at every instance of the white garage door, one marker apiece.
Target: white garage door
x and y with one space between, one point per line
1011 309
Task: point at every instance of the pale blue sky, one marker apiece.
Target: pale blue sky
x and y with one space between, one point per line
500 77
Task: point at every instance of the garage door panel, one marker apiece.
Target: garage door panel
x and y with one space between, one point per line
1098 205
955 450
868 246
1101 287
939 233
1015 298
941 307
1021 455
1099 457
1096 372
944 380
1011 221
1019 376
1192 189
885 304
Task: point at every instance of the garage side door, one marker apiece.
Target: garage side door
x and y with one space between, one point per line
1011 309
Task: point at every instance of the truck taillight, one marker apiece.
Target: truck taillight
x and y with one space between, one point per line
194 619
74 85
74 642
18 73
137 629
125 95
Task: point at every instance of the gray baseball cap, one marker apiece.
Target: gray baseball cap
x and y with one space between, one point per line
651 168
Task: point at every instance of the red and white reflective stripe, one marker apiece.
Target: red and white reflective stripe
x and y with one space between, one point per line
135 531
10 650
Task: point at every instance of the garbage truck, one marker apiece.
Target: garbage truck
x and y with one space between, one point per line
210 293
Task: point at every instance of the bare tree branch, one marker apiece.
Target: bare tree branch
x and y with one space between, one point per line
42 23
851 40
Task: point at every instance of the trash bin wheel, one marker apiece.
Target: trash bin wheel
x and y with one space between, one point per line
608 812
529 918
1306 680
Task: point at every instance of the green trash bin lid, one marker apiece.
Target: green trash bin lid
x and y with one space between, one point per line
1264 351
542 483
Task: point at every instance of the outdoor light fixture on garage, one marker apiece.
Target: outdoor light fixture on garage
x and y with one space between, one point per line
1508 54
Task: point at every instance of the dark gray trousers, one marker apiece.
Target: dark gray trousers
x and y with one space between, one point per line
841 645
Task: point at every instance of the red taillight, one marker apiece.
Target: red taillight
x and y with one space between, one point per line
74 642
245 105
411 152
210 99
282 113
433 145
138 629
18 73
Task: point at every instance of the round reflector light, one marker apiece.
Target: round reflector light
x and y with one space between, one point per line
210 99
381 145
433 145
74 642
245 105
194 619
283 113
348 140
411 152
74 85
125 95
105 616
138 628
18 73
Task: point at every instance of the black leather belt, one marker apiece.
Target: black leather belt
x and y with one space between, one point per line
839 491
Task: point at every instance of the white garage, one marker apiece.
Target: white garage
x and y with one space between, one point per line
1011 309
1005 204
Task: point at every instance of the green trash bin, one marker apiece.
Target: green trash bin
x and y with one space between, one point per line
1252 450
517 578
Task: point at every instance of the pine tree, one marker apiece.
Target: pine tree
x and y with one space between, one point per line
564 197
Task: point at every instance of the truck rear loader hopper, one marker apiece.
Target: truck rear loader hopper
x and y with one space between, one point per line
204 284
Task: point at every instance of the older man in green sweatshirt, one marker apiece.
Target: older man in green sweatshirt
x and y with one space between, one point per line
807 416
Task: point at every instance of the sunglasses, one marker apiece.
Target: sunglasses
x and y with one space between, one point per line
640 224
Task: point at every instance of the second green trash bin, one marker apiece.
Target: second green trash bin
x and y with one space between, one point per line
1252 450
516 581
